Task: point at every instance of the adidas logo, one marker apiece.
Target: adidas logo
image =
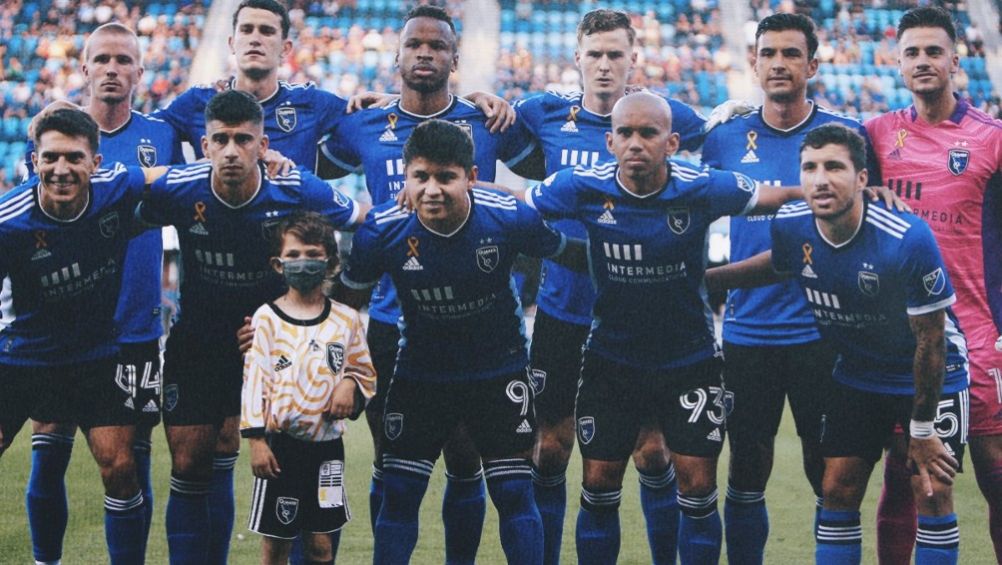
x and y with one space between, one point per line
41 254
606 218
283 363
130 404
151 407
750 157
387 136
412 265
569 127
524 428
198 229
714 435
896 155
808 272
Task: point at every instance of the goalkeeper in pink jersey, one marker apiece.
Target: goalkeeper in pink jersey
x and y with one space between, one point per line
944 157
307 370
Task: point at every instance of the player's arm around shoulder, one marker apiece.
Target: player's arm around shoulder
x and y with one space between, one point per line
353 286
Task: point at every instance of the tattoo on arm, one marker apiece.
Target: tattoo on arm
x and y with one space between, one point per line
929 364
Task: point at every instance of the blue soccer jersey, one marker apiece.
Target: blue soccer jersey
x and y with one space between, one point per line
62 279
570 135
462 319
225 250
775 314
372 142
296 117
861 293
146 142
646 255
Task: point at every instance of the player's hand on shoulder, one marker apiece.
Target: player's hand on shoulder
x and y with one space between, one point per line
932 460
500 114
342 402
727 110
263 462
223 84
890 198
245 336
277 164
369 99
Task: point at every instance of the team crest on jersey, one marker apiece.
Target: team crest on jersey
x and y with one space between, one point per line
147 154
537 378
335 357
393 425
268 229
678 220
957 161
934 282
109 224
586 429
488 258
171 395
869 283
285 116
286 509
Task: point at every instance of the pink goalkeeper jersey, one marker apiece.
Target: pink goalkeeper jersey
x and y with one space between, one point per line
949 173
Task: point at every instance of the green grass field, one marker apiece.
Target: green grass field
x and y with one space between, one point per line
791 507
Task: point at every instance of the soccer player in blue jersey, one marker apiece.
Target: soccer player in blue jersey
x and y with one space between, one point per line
878 289
371 141
113 68
63 240
771 343
650 358
570 129
463 358
223 211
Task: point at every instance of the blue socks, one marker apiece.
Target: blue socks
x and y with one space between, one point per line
46 494
746 522
551 499
699 533
141 454
659 501
597 532
510 484
937 541
221 507
839 538
463 509
404 484
375 495
124 527
188 521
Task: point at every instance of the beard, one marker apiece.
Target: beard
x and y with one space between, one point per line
425 85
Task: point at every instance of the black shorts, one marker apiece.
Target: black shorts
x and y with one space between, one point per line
762 377
497 413
384 340
857 423
308 496
86 394
139 372
614 401
555 361
202 377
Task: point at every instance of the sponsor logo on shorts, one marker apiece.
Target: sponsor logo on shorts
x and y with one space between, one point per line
393 425
524 428
286 509
537 378
715 435
586 429
151 406
171 395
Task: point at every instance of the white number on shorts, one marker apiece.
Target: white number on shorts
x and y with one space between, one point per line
518 392
696 406
125 377
946 422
